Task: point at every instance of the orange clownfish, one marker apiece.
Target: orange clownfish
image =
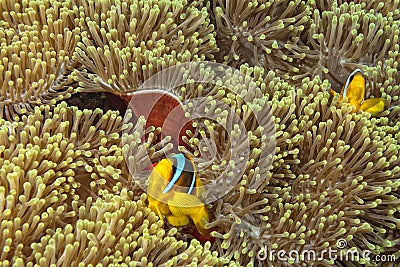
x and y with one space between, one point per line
174 191
354 91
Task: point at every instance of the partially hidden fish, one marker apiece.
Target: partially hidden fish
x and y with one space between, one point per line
354 91
161 109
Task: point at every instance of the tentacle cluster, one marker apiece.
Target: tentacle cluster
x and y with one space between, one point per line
37 42
286 166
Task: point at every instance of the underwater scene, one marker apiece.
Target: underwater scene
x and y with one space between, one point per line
199 133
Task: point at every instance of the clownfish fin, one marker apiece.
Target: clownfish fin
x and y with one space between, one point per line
159 214
332 92
178 221
354 88
373 105
154 205
183 204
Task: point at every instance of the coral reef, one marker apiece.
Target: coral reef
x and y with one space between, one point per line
286 166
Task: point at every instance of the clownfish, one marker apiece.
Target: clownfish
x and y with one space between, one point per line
354 91
174 191
161 109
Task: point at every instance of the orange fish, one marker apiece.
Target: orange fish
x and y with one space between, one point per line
161 109
174 191
354 92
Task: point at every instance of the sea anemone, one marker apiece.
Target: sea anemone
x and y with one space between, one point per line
346 37
133 40
64 190
386 8
117 230
262 33
37 43
335 176
285 165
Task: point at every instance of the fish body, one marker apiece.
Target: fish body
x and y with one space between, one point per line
174 191
354 91
161 109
